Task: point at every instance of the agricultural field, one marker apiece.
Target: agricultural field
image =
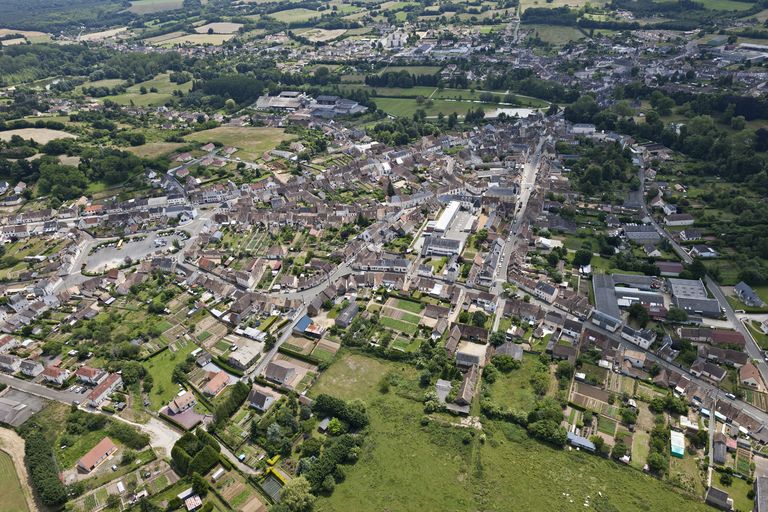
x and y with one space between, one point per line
12 498
197 40
321 35
39 135
295 15
152 6
405 465
219 28
154 149
252 142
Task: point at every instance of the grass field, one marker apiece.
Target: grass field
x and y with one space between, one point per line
154 149
409 305
220 27
164 92
198 40
556 36
151 6
398 325
161 368
404 466
39 135
295 15
513 389
405 107
12 498
252 142
414 70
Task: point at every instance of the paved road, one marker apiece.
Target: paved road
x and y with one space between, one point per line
66 397
752 347
710 390
527 184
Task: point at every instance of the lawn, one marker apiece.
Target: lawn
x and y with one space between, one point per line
409 305
161 368
398 325
513 390
606 425
12 498
252 142
404 107
406 466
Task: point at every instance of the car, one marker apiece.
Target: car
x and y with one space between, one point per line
114 467
730 396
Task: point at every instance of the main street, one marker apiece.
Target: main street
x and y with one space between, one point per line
527 185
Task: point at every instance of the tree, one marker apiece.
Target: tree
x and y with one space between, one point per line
657 463
497 339
726 479
390 189
582 257
619 450
113 501
199 484
677 315
639 314
295 496
479 318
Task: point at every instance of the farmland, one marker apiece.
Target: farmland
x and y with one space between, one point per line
432 468
161 83
39 135
153 6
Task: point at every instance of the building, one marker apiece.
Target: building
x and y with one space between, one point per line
9 363
55 375
245 355
182 402
261 398
761 494
104 389
677 443
545 292
280 372
88 375
748 295
581 443
471 354
750 376
97 455
718 499
217 381
719 448
347 315
679 219
31 368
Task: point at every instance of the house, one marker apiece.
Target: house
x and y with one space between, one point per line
182 402
7 342
104 389
217 381
545 292
31 368
468 385
9 363
749 376
718 499
280 372
55 375
261 398
703 251
748 295
347 315
703 368
635 357
669 268
510 349
690 235
97 455
88 375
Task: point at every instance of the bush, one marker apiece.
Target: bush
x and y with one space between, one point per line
38 455
204 460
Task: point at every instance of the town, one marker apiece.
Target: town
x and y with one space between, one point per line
333 256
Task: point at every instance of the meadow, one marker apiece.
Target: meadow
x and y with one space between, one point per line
406 466
39 135
164 92
252 142
161 368
152 6
295 15
12 498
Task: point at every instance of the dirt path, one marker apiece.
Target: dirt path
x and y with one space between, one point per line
13 445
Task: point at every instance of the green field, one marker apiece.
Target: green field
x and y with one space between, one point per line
12 498
414 70
252 142
398 325
83 443
152 6
405 107
513 390
295 15
409 305
161 368
404 466
164 92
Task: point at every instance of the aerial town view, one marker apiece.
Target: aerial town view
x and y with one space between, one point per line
383 255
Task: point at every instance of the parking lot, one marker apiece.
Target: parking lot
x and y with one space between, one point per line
111 256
